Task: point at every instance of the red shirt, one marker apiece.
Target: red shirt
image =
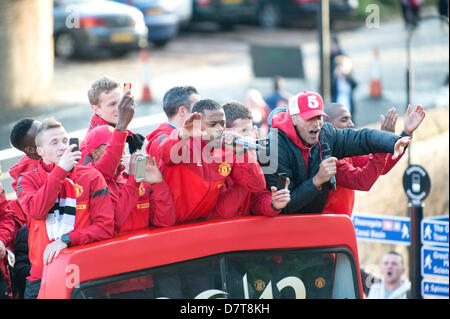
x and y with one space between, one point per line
236 201
356 173
25 164
94 219
136 205
196 181
156 137
7 225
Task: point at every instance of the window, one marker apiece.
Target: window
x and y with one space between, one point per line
311 274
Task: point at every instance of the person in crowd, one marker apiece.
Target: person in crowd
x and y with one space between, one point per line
104 96
361 172
260 110
66 204
411 12
301 135
198 157
343 84
236 201
7 230
392 286
22 137
278 96
177 104
136 205
335 50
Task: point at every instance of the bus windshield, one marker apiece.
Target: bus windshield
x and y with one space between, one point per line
270 274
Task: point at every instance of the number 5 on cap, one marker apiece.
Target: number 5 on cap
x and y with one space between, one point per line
312 102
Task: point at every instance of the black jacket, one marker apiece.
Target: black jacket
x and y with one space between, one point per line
305 197
22 265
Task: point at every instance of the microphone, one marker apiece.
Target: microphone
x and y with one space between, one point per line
248 145
326 153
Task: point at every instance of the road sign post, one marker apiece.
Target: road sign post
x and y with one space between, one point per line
416 184
416 215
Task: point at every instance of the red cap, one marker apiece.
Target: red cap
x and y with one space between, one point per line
307 105
98 136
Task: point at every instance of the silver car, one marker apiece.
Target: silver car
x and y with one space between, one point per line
82 27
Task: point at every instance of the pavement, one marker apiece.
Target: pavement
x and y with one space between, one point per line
219 66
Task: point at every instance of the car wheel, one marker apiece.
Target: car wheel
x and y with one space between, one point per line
119 53
269 16
65 46
160 43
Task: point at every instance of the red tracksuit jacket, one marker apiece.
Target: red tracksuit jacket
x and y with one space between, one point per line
94 219
136 205
156 137
7 235
25 164
7 224
356 173
196 181
236 201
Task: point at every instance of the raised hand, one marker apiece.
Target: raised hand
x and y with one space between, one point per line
413 119
69 159
388 122
327 169
126 110
400 145
280 198
152 173
192 127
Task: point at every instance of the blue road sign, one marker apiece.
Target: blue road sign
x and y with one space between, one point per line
434 289
382 228
434 232
434 261
443 218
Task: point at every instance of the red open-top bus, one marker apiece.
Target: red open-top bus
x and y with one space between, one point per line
288 256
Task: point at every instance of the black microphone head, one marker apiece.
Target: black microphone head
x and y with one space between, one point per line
325 149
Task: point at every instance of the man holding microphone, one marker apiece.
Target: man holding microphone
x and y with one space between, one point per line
301 136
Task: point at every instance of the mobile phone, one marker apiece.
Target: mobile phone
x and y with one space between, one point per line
281 182
139 172
126 87
74 140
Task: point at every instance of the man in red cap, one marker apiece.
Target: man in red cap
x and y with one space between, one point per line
136 205
300 137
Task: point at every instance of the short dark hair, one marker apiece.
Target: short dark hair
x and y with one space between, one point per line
18 133
330 110
234 111
393 252
206 104
176 97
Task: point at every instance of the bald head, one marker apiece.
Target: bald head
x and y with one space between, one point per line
338 115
